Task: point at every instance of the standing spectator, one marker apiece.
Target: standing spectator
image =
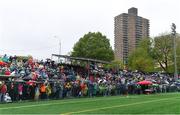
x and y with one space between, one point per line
48 90
68 87
37 93
11 91
95 89
60 89
118 88
43 91
20 91
90 89
3 91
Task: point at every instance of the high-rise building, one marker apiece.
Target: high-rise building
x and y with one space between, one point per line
129 28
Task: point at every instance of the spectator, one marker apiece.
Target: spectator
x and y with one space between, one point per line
3 90
20 91
43 91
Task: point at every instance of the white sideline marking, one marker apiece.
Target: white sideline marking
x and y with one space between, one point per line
68 101
136 103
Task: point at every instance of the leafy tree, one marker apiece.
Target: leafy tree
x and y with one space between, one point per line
178 52
163 51
114 65
141 58
93 45
155 53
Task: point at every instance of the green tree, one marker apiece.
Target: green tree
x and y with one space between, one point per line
163 51
93 45
178 53
140 59
114 65
155 53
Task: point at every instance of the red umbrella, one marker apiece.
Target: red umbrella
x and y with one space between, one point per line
2 63
30 82
144 82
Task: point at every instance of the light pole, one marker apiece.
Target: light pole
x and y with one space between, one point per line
59 47
173 27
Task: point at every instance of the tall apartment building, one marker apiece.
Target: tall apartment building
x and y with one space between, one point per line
129 28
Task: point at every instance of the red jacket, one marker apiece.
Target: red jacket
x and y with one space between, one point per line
3 89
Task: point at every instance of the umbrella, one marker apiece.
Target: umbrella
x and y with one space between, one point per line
155 85
27 78
154 81
19 80
148 90
177 83
30 82
144 82
165 82
2 63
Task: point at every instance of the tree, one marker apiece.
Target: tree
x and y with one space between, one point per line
155 54
114 65
163 51
93 45
178 52
140 59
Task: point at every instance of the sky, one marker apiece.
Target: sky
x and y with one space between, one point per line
36 27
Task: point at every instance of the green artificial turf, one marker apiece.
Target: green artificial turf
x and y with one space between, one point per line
135 104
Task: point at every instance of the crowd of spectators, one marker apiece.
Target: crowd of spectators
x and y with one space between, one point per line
29 79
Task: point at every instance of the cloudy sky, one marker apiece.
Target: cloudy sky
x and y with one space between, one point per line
35 27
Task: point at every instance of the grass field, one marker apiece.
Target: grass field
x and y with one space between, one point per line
135 104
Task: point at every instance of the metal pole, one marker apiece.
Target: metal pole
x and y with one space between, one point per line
174 44
88 67
59 48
